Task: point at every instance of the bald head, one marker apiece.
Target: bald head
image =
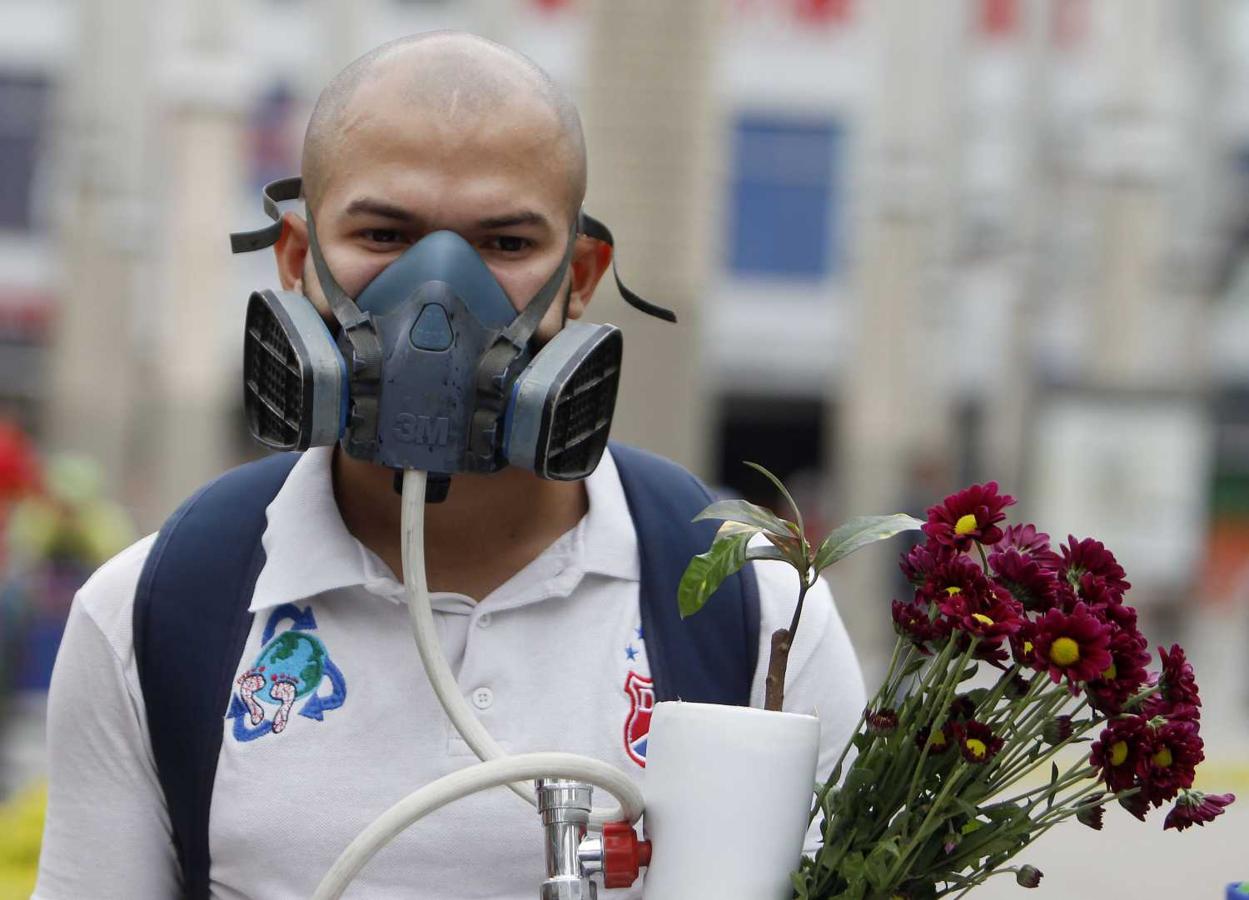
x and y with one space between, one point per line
447 79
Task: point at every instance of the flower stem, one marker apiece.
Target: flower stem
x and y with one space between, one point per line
883 693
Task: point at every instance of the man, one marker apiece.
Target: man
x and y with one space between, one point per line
535 582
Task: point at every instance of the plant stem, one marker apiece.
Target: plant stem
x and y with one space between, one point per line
778 661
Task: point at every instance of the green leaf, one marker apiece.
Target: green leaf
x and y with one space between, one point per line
879 861
861 779
794 550
707 570
852 867
1049 795
1004 812
747 514
768 552
784 493
858 533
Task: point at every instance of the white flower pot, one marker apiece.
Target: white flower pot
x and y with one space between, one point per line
728 789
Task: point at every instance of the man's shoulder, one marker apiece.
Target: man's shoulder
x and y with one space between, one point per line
649 462
107 597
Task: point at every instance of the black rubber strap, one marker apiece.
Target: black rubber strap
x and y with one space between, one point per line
525 324
275 192
593 228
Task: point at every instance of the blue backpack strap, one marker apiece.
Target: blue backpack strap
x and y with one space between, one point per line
190 625
710 657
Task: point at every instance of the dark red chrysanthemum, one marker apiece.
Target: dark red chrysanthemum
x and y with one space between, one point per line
1124 676
1031 543
955 583
970 515
989 615
976 741
1117 751
1056 730
919 562
911 620
1169 759
1022 644
1177 695
881 721
1074 645
937 742
1091 814
1028 876
1090 557
1033 585
1136 804
1117 614
961 707
1196 808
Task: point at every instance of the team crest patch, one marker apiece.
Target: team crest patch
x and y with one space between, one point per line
291 667
641 692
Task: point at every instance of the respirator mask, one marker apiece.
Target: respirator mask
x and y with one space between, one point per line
430 367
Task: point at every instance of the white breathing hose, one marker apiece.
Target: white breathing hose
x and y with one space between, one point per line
460 784
496 768
440 676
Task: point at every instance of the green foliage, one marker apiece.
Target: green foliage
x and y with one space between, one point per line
707 571
743 520
745 513
859 533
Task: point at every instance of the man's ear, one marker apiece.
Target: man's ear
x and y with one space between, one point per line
291 250
590 259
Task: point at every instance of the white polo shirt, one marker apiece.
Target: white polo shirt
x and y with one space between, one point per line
332 719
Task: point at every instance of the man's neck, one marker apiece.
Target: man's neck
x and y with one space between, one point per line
487 530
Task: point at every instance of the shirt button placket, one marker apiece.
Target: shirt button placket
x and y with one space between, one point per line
483 698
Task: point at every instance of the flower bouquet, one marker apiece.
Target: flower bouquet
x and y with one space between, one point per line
1009 654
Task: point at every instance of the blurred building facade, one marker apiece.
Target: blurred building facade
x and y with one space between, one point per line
912 245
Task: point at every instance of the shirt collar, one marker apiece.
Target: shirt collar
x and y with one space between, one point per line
309 551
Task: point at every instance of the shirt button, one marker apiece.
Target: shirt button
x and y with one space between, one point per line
484 620
483 698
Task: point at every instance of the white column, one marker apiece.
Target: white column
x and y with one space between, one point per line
892 411
195 375
652 127
104 234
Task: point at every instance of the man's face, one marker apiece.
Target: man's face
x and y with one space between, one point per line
500 181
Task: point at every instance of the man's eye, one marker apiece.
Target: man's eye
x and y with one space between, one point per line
382 236
507 243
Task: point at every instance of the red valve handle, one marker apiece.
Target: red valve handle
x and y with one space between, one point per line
623 855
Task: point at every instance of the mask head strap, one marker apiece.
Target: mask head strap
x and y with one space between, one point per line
285 189
275 192
593 228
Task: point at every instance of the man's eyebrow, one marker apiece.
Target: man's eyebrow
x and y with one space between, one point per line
523 217
373 207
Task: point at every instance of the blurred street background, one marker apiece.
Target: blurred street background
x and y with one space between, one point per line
912 244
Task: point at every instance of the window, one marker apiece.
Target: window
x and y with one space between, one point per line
783 206
23 107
